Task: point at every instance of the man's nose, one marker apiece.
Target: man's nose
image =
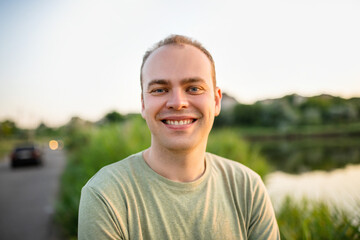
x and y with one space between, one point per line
177 100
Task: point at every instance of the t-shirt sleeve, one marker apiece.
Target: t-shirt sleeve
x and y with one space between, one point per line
96 217
263 224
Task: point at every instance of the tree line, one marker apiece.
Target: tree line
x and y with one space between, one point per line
292 110
288 111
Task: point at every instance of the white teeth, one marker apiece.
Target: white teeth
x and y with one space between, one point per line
181 122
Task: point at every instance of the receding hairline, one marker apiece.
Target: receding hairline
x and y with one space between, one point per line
178 40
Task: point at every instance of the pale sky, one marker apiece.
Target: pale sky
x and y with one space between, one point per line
60 59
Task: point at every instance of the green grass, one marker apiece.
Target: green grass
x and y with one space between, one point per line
6 145
309 220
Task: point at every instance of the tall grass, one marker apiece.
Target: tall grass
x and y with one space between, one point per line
90 150
310 220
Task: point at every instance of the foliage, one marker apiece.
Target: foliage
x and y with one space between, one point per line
247 114
8 129
43 130
90 149
114 117
292 111
315 220
227 143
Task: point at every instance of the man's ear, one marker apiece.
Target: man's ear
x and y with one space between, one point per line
218 97
142 106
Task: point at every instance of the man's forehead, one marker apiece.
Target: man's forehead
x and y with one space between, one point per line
176 50
171 56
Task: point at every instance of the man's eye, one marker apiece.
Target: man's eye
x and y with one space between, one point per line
158 91
195 90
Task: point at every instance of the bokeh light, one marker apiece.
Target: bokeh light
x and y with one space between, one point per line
53 145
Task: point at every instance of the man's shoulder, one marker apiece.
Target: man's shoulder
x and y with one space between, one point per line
232 168
116 173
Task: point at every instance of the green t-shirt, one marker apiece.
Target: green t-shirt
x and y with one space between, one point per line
128 200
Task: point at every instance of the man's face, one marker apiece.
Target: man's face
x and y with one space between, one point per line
179 101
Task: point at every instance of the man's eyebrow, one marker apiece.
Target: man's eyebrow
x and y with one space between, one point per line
183 81
193 80
157 81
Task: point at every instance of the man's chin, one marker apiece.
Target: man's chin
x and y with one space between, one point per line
179 146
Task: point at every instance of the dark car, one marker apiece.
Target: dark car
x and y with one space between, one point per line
26 155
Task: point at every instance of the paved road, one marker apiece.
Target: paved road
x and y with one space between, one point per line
27 197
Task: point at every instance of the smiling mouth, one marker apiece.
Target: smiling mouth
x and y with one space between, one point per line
178 122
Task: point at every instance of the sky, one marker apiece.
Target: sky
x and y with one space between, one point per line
60 59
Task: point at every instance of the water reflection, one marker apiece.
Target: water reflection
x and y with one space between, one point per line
307 154
339 188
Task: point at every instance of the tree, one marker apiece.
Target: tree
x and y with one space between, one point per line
248 115
8 128
114 117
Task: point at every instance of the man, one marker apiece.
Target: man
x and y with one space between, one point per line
174 189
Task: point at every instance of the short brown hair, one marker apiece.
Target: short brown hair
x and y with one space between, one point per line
179 40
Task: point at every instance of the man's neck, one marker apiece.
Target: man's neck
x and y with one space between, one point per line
179 166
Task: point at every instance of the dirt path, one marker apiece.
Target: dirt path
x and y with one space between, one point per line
27 197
